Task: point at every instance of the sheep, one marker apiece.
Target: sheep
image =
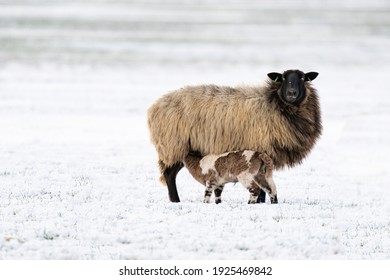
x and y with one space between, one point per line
281 118
252 169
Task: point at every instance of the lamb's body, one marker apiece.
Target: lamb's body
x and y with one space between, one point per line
217 119
252 169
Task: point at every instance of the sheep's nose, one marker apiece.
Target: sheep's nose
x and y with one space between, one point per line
292 91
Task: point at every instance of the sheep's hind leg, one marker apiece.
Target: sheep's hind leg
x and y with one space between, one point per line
170 177
217 192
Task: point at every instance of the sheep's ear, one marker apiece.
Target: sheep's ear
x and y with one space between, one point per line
275 76
310 76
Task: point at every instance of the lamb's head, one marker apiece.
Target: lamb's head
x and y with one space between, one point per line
292 85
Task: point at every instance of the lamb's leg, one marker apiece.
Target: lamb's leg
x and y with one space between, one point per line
170 177
217 192
273 196
254 191
268 185
209 190
251 185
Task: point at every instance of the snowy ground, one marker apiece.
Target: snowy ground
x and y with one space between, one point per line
78 175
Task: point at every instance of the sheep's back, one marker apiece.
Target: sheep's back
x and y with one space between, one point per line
227 121
212 120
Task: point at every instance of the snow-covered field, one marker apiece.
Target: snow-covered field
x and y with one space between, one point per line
78 175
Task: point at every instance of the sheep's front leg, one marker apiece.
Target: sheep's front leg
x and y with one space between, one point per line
217 192
261 198
208 192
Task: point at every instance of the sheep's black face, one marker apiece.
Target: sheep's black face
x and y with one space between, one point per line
293 88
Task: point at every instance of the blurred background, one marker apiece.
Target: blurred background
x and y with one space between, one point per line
118 56
103 58
200 34
76 79
137 44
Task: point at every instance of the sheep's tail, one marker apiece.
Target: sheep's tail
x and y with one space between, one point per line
162 168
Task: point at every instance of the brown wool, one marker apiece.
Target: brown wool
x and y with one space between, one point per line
214 119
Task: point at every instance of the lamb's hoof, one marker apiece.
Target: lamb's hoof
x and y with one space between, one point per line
274 200
218 201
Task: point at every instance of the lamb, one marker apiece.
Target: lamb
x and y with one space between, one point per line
252 169
281 118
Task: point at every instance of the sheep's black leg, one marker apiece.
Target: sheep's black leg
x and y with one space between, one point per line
261 198
170 177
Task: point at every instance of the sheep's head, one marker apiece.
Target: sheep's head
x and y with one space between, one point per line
292 84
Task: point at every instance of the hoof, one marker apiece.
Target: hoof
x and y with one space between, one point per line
174 198
261 198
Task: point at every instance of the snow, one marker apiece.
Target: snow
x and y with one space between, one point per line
78 175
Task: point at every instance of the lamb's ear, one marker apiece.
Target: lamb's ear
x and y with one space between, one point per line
310 76
276 77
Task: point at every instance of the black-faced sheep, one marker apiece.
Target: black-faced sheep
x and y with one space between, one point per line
281 118
252 169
